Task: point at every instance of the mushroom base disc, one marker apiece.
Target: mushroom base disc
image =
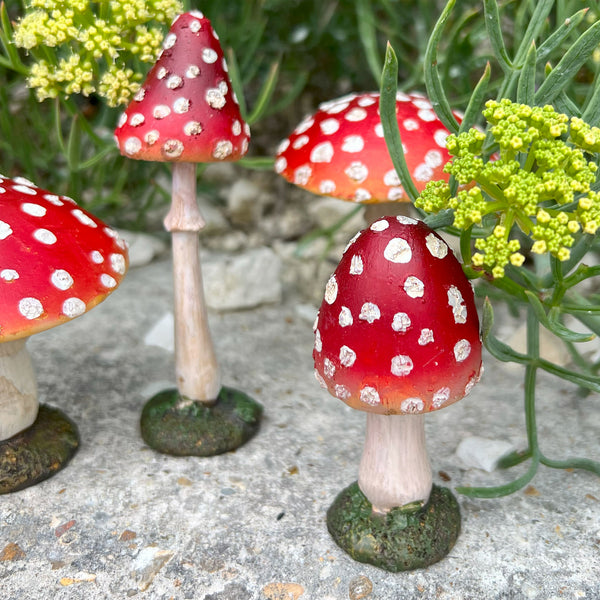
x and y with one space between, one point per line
197 429
401 540
37 452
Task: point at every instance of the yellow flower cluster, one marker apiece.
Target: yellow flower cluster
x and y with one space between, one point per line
86 47
539 182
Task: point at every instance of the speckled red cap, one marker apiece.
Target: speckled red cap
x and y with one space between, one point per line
186 109
57 261
340 151
398 331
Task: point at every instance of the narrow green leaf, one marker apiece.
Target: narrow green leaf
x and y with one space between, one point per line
389 121
368 36
557 37
526 83
561 76
553 323
512 459
572 463
537 22
236 81
590 382
477 100
492 25
98 157
74 145
6 36
495 347
563 104
258 163
582 273
265 94
433 81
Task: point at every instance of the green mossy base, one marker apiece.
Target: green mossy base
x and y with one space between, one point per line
400 540
37 452
198 429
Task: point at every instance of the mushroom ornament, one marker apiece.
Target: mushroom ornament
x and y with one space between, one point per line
186 112
57 261
397 336
340 151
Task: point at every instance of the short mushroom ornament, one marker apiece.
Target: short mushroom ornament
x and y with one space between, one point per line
57 261
397 336
340 151
186 112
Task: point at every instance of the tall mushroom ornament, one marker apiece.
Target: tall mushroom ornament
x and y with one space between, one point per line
185 113
57 261
340 151
397 336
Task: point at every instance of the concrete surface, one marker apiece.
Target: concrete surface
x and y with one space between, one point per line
123 521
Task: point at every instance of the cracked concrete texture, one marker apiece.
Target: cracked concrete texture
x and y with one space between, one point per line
123 521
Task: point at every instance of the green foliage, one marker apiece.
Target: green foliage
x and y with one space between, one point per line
523 190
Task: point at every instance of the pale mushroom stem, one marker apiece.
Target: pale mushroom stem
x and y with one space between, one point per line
196 368
18 389
394 469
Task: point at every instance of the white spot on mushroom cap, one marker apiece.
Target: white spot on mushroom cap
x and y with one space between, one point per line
304 126
370 396
107 281
152 137
347 356
61 279
434 158
320 379
354 115
9 275
437 247
410 124
215 98
379 130
354 238
345 318
209 56
341 392
161 111
427 115
401 322
195 26
462 350
331 290
414 287
223 88
5 230
391 178
161 73
440 136
423 172
169 41
337 108
328 368
83 218
366 101
280 165
34 210
322 153
357 171
283 146
192 72
44 236
53 199
118 264
223 149
122 120
302 175
406 220
362 195
395 193
456 301
327 186
96 257
356 265
24 189
236 128
353 144
31 308
139 95
329 126
412 406
192 128
369 312
379 226
300 142
137 119
174 82
132 145
398 251
426 337
173 148
318 341
73 307
402 365
441 397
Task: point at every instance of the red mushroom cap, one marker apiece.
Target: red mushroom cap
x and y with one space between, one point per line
398 331
57 261
340 150
186 109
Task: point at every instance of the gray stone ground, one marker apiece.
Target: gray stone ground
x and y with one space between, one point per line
123 521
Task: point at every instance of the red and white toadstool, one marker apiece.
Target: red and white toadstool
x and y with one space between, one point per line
340 150
57 261
186 112
397 336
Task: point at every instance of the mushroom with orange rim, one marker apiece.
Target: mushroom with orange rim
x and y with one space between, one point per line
397 336
185 113
57 261
340 151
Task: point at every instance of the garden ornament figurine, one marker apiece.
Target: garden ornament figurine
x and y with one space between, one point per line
397 336
186 112
57 261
